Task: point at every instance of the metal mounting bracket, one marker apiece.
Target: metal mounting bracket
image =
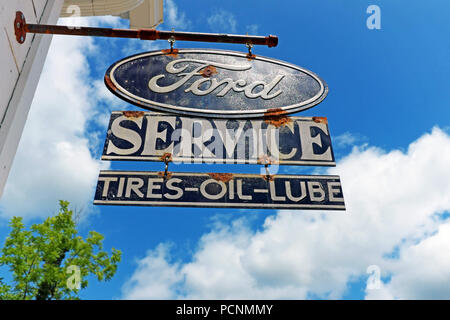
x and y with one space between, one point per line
22 28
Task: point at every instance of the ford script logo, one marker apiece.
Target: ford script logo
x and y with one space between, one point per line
214 83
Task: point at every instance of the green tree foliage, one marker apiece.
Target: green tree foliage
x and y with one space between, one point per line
50 261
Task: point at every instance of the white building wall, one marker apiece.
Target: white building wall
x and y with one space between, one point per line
20 68
21 64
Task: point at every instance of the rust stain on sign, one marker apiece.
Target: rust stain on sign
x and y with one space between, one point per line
133 114
224 177
164 174
274 112
109 83
170 52
166 157
276 117
251 57
208 71
265 159
323 120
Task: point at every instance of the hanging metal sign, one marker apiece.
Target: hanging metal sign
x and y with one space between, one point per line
154 137
223 190
214 83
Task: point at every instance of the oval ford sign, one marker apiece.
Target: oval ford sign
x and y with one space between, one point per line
214 83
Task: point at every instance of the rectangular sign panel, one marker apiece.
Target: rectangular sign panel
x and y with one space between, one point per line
222 190
138 135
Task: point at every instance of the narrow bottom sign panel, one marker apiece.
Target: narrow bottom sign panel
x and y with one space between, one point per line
220 190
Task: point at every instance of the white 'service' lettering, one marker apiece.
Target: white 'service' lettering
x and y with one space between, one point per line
217 140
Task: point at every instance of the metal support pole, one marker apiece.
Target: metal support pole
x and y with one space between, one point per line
22 28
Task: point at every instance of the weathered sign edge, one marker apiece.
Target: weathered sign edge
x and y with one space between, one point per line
113 87
218 204
250 175
223 205
216 161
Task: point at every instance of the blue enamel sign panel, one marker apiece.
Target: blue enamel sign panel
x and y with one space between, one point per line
222 190
214 83
280 140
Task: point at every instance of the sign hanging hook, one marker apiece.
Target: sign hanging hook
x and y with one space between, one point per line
267 171
171 41
266 160
167 159
249 46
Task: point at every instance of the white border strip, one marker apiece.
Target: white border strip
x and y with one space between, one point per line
221 205
246 175
217 161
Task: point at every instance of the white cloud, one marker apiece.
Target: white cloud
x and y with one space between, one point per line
53 160
252 29
111 102
174 17
347 139
422 272
380 293
223 21
155 278
393 201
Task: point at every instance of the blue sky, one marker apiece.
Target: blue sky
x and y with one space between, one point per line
388 112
